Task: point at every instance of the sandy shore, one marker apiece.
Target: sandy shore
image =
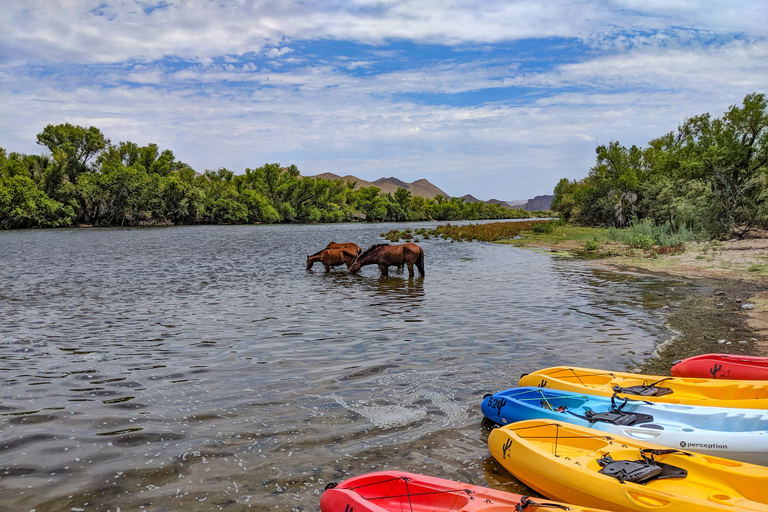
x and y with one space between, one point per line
731 316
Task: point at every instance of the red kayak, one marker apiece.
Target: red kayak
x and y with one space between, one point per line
722 366
396 491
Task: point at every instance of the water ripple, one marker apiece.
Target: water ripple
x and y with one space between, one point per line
203 367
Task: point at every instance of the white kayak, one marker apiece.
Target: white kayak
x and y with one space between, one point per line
732 433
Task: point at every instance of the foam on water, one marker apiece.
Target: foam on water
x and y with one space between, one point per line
384 416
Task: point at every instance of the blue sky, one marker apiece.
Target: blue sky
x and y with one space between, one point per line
498 99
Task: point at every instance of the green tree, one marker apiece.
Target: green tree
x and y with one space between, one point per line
181 201
615 181
23 205
118 196
149 157
258 206
371 204
564 203
72 146
730 155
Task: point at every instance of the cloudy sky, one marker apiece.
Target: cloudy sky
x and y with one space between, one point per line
498 99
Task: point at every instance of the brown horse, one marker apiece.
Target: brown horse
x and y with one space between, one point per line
385 255
346 245
331 258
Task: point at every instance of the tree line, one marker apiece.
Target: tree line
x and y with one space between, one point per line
84 179
709 178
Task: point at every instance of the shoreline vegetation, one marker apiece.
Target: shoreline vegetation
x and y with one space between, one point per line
490 232
85 181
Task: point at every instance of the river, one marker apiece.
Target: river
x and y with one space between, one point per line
204 368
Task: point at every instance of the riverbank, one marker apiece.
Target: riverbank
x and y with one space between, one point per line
730 317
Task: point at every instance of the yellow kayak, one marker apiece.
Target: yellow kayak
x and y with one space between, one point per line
745 394
583 466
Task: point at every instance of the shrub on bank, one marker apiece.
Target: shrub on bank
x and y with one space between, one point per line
645 234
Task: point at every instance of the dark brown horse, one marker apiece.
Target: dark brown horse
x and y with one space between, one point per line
331 258
385 255
346 245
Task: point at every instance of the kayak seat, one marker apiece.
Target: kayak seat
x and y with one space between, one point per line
624 419
643 390
638 471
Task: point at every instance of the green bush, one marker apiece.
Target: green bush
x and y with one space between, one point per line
546 228
23 205
665 234
641 241
591 245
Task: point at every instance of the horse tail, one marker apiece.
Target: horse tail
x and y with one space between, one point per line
420 261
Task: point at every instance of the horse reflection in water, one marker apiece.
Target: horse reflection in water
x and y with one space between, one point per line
331 258
385 255
391 291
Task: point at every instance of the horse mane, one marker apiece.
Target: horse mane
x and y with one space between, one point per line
318 252
371 249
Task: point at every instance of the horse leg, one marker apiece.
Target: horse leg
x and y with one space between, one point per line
384 269
420 263
410 269
327 267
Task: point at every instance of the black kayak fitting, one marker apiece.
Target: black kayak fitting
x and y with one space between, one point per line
643 470
525 501
645 389
617 416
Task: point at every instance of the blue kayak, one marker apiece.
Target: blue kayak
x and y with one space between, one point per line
732 433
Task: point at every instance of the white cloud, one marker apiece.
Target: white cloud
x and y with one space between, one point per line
278 52
716 69
119 30
190 77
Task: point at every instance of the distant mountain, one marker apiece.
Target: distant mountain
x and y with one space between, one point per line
421 187
503 204
427 190
472 199
538 203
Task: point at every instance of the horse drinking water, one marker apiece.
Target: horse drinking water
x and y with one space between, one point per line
385 255
331 258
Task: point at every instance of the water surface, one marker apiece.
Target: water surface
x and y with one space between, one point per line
203 368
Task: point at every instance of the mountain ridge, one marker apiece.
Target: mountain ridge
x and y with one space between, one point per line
421 187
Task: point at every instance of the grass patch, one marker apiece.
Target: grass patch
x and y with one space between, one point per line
407 234
490 232
562 233
645 234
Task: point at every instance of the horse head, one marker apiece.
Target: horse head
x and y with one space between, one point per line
355 266
366 257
